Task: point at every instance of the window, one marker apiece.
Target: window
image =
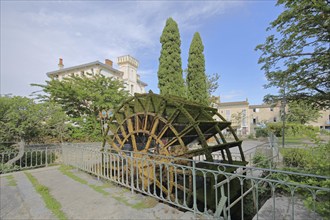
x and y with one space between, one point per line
254 121
255 110
275 119
271 109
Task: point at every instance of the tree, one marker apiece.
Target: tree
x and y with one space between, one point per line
302 113
298 59
21 119
82 96
212 83
170 79
197 87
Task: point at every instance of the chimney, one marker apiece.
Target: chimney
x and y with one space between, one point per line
108 62
60 63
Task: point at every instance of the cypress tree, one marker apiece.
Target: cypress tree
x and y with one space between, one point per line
196 79
170 80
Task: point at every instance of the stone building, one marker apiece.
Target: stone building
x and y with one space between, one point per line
238 114
323 121
245 117
127 72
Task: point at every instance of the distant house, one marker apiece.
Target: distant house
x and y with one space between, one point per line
245 118
127 72
262 114
238 114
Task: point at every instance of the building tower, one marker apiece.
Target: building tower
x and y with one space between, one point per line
128 65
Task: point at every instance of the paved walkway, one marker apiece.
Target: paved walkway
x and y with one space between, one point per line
78 200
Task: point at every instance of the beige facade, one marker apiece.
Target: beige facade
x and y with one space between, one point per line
323 121
238 114
262 114
245 118
127 72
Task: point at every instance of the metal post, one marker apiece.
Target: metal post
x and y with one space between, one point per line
194 187
283 114
132 173
46 154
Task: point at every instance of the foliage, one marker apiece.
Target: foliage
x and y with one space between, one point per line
197 87
292 129
170 81
84 95
85 129
82 98
5 168
316 161
298 57
294 157
261 160
250 136
261 132
23 119
302 113
212 83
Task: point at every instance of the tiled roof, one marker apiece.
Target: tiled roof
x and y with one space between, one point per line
263 106
227 104
86 65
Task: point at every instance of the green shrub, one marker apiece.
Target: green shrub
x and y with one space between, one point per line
250 136
261 132
260 160
314 160
294 157
4 168
292 129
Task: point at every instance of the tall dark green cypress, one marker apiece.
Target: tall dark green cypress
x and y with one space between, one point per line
196 78
170 80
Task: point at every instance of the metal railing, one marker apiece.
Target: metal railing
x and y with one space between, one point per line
32 158
212 189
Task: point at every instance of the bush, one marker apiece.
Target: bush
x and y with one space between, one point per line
250 136
260 160
294 158
261 132
316 161
292 129
4 168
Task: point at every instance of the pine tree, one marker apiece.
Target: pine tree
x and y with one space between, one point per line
196 79
170 79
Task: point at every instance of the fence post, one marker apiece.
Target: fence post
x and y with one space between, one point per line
46 154
194 188
132 172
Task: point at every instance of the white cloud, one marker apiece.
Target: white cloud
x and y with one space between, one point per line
35 34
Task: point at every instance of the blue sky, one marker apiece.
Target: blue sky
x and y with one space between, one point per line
34 34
